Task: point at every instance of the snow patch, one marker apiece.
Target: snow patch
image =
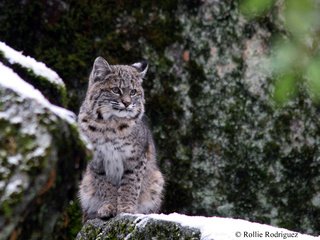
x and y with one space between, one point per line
226 228
13 186
38 68
14 160
11 80
17 184
141 221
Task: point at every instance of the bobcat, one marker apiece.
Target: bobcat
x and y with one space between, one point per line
123 176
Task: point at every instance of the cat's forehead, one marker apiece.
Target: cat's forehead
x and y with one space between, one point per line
124 71
125 75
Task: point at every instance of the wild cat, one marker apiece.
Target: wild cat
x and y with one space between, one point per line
123 176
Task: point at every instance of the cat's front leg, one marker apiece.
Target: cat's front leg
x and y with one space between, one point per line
130 187
98 197
107 210
107 195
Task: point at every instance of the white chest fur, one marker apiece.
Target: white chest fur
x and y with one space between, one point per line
113 160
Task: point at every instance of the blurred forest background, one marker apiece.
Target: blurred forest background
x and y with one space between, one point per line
232 94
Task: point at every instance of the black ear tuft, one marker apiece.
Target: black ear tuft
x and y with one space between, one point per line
142 67
100 69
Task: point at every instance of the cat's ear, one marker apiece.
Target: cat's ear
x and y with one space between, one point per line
100 69
142 67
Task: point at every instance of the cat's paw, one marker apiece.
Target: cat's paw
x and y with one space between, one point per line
126 209
106 211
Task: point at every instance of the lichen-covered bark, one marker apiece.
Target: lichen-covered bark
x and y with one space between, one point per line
41 157
131 227
224 148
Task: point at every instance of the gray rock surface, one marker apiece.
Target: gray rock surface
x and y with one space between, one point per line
132 227
41 159
225 147
178 226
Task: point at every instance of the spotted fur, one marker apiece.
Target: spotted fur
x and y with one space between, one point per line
123 175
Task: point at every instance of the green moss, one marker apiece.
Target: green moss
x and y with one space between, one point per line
89 232
6 209
126 227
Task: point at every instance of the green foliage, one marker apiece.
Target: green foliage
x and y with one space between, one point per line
293 59
254 8
313 78
300 17
285 88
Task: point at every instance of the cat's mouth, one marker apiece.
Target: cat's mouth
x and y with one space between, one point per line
116 110
122 109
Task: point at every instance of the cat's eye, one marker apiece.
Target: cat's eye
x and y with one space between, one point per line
133 92
116 90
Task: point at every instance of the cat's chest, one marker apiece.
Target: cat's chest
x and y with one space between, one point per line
114 154
117 150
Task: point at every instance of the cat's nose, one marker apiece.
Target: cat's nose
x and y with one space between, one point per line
126 103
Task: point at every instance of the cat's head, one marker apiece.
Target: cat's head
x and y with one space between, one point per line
116 90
